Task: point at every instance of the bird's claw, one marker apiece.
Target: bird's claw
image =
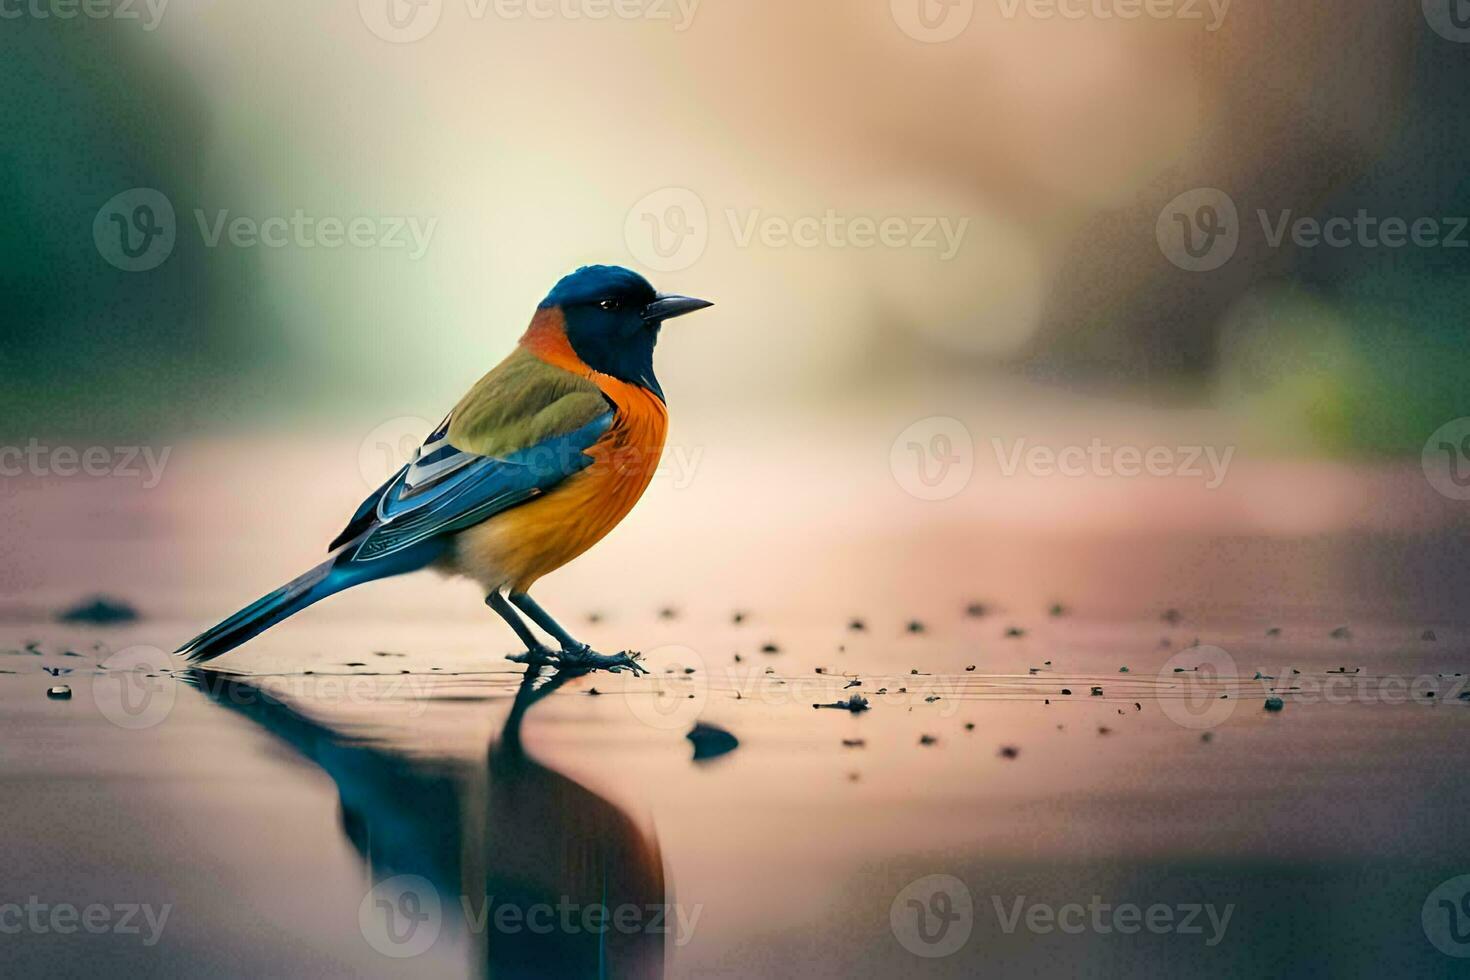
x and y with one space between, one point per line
587 660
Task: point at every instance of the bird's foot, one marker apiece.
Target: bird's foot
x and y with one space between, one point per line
585 660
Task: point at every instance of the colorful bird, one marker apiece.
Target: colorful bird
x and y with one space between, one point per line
541 459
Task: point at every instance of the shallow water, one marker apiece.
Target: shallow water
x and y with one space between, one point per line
309 814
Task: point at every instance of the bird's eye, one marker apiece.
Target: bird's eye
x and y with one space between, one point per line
609 304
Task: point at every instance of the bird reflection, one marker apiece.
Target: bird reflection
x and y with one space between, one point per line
543 877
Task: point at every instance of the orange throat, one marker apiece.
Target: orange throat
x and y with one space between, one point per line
519 546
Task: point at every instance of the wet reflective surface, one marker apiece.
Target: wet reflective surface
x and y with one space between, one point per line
375 792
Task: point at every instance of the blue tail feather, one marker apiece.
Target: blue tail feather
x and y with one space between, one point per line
330 577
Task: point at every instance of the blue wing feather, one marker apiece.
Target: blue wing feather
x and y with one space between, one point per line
446 490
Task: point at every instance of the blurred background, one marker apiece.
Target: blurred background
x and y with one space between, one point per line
525 137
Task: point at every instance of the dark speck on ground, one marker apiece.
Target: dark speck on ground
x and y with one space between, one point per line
711 741
1009 751
975 610
927 740
1014 632
770 648
98 611
854 704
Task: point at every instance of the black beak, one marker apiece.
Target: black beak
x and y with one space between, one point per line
668 307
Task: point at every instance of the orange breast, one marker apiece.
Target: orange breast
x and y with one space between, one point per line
526 542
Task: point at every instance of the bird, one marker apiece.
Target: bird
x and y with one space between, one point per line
543 456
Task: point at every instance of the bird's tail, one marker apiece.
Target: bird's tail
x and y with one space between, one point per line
325 579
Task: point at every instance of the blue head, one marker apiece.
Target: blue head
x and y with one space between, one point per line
613 316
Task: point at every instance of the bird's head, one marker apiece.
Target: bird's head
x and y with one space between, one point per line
613 316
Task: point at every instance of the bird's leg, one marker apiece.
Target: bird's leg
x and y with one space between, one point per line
536 652
574 655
